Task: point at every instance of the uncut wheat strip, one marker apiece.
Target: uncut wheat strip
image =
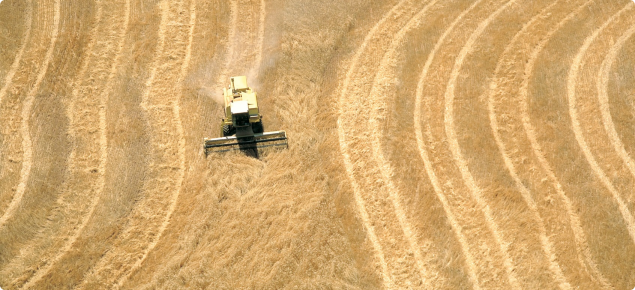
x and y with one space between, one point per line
546 244
102 55
177 119
359 201
8 80
523 100
575 123
160 100
27 155
456 225
603 98
378 95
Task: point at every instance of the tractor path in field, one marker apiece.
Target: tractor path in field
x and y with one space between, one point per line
555 207
87 116
6 195
160 101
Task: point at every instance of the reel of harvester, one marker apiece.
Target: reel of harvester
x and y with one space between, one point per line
242 127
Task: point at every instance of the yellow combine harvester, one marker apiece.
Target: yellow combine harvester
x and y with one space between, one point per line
242 127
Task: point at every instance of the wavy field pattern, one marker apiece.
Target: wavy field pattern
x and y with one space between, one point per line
432 145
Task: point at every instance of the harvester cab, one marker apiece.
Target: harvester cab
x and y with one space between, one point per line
241 128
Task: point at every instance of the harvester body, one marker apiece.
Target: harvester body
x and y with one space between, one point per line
241 126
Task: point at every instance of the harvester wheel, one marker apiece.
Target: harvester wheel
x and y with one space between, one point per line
227 130
258 127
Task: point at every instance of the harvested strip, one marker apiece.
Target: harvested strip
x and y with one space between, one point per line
369 202
603 97
377 111
508 105
504 86
161 103
8 81
571 94
177 117
87 115
27 155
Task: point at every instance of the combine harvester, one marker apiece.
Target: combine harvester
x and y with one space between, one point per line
242 127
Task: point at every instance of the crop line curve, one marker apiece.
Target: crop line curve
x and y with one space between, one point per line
576 225
455 148
379 254
8 79
103 143
546 244
71 118
160 101
603 98
456 227
378 113
27 162
177 119
16 63
577 130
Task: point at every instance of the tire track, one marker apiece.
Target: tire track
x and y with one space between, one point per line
581 244
161 103
571 95
546 244
397 266
603 98
85 122
27 155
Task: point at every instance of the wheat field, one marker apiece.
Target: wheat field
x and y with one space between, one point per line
481 144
